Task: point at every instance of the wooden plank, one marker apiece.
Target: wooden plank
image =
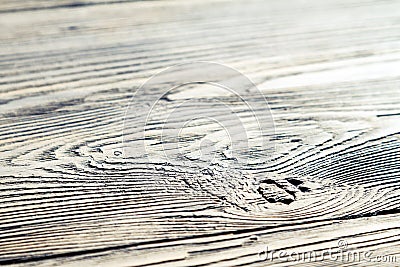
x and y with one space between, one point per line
68 71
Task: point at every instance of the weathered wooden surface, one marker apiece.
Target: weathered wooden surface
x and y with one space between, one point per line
330 72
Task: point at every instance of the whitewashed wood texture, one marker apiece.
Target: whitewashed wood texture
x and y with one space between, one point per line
329 69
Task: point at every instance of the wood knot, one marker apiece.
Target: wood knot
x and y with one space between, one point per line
282 190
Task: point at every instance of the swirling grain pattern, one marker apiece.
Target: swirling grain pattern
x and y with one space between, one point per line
68 70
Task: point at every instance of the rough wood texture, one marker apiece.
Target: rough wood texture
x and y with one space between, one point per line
330 72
